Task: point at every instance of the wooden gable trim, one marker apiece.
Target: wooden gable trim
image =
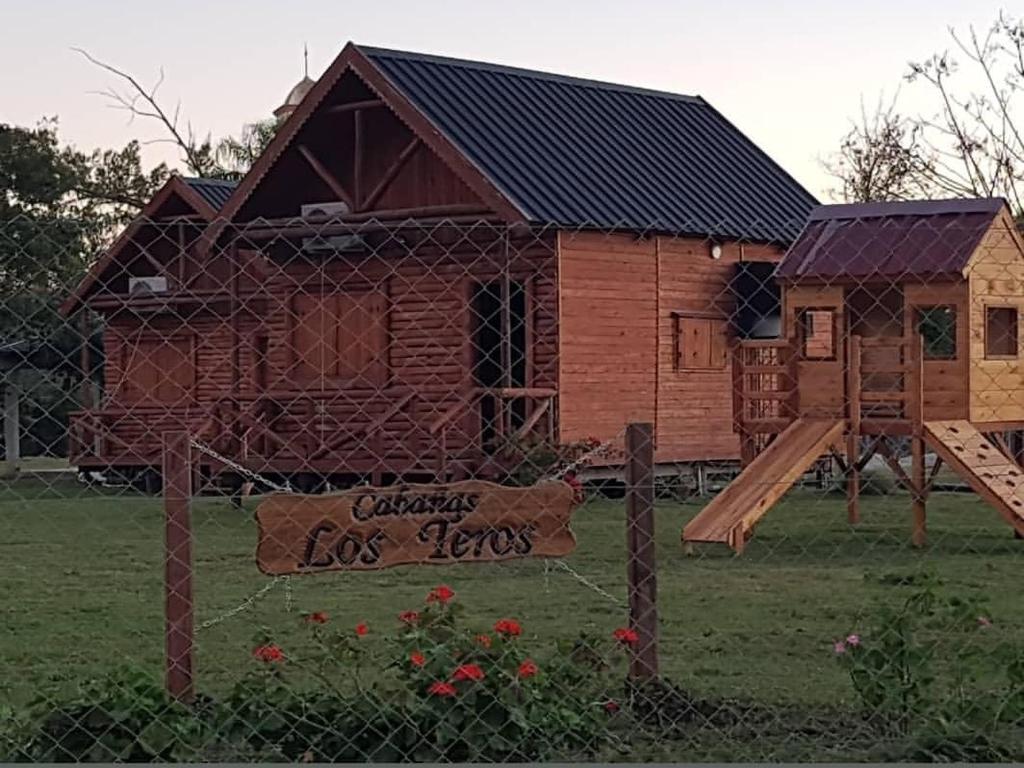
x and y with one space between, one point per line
351 58
1004 217
174 186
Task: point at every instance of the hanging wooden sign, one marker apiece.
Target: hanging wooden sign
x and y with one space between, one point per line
371 528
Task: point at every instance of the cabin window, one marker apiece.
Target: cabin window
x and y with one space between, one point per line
158 369
817 334
340 337
1000 332
937 326
700 342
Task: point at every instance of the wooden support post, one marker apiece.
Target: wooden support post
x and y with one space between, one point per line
853 390
643 614
177 478
12 429
85 361
915 407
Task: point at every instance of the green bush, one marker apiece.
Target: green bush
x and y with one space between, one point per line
124 717
431 690
931 676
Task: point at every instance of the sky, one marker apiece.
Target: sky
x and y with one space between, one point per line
790 74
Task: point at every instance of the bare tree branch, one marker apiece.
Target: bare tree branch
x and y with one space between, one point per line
139 101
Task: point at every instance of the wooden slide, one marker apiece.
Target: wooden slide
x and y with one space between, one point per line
991 474
729 517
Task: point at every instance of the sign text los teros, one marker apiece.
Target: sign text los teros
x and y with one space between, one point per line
370 528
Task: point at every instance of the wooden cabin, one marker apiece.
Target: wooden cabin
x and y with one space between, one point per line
900 320
435 258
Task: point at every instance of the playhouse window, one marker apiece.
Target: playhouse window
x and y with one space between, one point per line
1000 332
937 326
340 336
700 343
817 332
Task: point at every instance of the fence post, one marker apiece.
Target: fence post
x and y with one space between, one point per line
643 613
179 636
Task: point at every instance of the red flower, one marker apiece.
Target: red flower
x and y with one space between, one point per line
626 636
268 653
611 707
409 617
317 617
441 688
417 659
528 668
573 482
508 627
361 629
441 594
484 641
468 672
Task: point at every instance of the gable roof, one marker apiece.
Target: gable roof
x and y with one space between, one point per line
204 197
214 192
559 150
579 152
928 238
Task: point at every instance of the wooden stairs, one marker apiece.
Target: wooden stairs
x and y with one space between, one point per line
991 474
730 517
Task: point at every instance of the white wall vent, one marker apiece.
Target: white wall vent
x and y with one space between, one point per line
138 286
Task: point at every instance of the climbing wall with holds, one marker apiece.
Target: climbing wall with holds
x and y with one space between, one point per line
992 474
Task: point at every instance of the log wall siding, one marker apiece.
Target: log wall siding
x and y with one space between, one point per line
694 407
617 343
429 351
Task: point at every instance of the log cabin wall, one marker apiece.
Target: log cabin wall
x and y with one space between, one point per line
645 331
426 348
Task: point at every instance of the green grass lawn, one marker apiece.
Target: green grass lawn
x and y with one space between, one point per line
82 588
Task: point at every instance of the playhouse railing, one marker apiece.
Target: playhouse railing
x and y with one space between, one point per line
765 392
884 383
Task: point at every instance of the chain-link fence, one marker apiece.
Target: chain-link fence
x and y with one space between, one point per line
326 489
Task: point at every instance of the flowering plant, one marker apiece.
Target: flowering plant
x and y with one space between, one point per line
919 674
467 693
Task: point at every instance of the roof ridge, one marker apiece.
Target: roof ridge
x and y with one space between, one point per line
507 69
877 210
207 180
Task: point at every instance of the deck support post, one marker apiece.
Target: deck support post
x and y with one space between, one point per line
178 618
643 614
12 427
853 390
915 407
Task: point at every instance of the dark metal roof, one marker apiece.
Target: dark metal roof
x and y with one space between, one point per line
584 153
890 240
214 191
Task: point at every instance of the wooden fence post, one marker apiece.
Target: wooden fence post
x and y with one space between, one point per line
643 613
179 635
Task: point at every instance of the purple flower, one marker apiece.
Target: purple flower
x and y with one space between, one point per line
853 640
839 647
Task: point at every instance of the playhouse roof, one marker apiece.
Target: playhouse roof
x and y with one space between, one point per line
928 238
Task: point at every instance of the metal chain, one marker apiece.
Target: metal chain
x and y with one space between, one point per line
246 604
588 583
244 471
587 457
